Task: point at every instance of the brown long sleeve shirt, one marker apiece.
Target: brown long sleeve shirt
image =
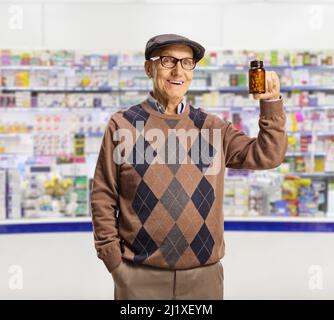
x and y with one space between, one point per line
169 214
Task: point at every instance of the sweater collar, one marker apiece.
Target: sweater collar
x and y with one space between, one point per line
160 108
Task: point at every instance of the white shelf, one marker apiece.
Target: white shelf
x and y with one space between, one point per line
57 109
281 219
299 154
30 67
226 218
15 134
106 89
45 220
140 67
209 109
309 133
309 174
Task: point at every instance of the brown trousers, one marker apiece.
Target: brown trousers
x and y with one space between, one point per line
141 282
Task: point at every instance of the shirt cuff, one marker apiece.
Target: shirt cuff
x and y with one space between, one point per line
269 108
269 100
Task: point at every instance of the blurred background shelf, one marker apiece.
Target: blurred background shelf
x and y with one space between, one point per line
263 224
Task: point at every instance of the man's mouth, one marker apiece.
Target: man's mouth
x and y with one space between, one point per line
175 82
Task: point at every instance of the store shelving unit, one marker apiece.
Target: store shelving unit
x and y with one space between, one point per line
249 224
119 87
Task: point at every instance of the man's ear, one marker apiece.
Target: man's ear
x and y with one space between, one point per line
148 69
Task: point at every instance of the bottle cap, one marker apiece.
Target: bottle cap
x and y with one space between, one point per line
256 64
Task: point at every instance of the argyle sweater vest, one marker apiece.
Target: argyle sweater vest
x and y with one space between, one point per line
169 214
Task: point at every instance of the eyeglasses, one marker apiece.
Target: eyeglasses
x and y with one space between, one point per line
170 62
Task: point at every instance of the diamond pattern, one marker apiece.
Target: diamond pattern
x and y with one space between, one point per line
197 116
136 113
173 153
174 219
203 197
144 201
137 157
143 246
202 244
173 246
172 122
158 177
174 199
202 153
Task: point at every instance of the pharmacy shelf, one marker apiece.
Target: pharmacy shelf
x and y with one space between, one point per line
105 89
310 133
58 219
208 109
62 89
300 154
242 89
307 88
325 133
58 109
301 219
231 223
267 67
234 67
45 225
14 134
239 67
36 68
141 68
255 224
279 224
310 174
256 107
310 108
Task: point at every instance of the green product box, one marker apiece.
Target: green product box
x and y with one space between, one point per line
274 57
242 80
81 189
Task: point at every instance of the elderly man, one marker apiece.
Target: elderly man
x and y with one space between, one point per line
158 225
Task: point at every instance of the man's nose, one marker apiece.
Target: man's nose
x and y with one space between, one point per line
178 68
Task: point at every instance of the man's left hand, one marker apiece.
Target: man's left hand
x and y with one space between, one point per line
272 87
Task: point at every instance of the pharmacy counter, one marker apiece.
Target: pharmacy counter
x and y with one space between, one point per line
261 224
265 258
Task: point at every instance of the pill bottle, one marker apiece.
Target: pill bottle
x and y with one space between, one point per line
257 78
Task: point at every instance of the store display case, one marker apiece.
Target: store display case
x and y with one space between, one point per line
54 106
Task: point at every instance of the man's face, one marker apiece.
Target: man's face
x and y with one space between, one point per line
163 78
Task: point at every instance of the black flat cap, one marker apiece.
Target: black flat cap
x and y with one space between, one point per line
164 40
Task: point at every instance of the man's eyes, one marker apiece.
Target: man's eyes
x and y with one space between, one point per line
188 61
169 59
